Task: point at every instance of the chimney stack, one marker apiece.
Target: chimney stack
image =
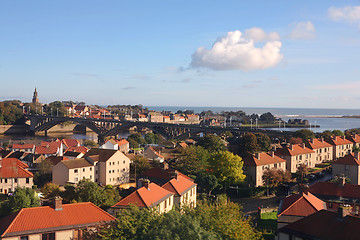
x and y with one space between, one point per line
291 147
257 155
58 203
303 145
272 153
145 182
312 141
343 211
343 137
342 181
322 139
175 175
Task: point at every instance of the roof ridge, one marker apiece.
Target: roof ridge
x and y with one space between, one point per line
291 204
13 221
306 197
92 204
137 192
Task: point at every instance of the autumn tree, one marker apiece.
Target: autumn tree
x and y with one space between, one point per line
248 144
273 177
51 190
227 167
302 171
263 142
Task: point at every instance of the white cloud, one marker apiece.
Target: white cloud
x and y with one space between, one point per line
303 30
349 14
258 35
237 52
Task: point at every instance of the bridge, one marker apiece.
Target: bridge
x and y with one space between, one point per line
112 127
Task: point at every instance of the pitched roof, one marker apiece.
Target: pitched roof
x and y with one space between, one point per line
293 150
179 185
302 204
51 144
165 174
317 143
80 149
102 154
348 159
325 225
354 138
46 149
262 159
337 140
22 146
55 159
146 197
13 168
71 142
153 154
39 219
122 142
334 189
77 163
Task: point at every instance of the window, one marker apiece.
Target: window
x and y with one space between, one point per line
123 169
124 162
15 180
48 236
90 176
165 203
113 171
24 237
118 162
75 171
90 169
76 179
96 172
83 169
109 171
5 180
27 180
110 163
113 163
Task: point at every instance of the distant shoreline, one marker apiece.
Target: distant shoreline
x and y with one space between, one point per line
315 116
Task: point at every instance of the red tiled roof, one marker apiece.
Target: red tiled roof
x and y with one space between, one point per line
182 144
146 197
13 168
297 149
265 159
46 150
179 185
336 141
80 149
42 218
302 204
22 146
334 189
51 144
71 142
155 152
317 143
122 142
348 159
324 225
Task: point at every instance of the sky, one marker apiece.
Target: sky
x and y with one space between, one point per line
290 54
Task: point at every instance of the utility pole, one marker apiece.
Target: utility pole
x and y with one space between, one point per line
57 112
256 120
251 120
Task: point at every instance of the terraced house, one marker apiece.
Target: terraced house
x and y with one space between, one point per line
13 174
341 146
323 150
295 155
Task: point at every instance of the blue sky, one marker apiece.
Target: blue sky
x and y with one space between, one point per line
301 54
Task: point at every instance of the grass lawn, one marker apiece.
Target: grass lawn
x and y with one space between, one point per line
267 224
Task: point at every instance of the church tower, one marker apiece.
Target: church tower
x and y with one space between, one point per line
35 99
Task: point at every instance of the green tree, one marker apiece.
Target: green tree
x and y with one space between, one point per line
192 160
249 144
208 182
327 134
212 143
136 139
226 220
263 142
267 118
89 191
51 190
338 133
141 164
273 177
304 134
227 167
90 143
22 198
150 138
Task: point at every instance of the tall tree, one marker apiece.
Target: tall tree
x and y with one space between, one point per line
304 134
212 143
227 167
248 144
263 142
192 160
22 198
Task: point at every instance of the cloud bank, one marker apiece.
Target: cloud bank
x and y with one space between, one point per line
236 51
303 30
349 14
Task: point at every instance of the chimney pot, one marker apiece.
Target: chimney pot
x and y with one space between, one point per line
303 145
344 211
272 153
257 155
58 203
291 147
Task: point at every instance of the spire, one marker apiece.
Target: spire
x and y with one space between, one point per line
35 98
